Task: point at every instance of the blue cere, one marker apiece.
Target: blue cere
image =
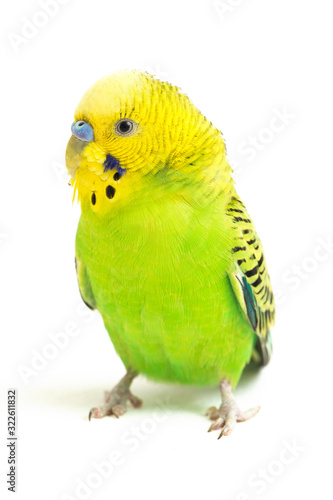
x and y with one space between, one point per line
111 162
83 131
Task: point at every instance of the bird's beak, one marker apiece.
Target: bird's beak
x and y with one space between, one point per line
74 151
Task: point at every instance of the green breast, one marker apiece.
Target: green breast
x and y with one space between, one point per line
158 273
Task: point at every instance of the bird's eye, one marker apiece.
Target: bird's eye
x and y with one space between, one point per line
125 127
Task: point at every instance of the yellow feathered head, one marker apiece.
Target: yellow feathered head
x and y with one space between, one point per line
136 138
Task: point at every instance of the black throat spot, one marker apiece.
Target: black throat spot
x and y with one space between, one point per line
110 192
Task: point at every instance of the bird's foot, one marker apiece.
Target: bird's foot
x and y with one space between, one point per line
116 400
226 417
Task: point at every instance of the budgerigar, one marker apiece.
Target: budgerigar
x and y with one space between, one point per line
165 249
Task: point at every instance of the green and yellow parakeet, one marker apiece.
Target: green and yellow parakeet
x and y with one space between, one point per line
165 249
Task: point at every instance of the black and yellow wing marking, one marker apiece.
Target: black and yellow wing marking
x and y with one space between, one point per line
250 279
84 284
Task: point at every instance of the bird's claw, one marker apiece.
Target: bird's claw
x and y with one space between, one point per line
228 414
135 401
225 424
115 404
225 418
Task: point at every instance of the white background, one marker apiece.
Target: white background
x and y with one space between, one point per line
239 67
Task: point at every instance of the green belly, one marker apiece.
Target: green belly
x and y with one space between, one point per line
167 302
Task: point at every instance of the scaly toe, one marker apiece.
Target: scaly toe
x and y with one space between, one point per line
96 413
217 424
212 413
103 411
117 411
246 415
222 433
136 402
225 431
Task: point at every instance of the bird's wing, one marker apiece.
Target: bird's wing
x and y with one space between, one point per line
84 284
250 279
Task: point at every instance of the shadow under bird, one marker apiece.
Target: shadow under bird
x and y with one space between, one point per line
165 249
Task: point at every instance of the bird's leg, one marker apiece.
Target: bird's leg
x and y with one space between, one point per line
115 400
226 417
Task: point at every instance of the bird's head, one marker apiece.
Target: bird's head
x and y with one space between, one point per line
136 139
